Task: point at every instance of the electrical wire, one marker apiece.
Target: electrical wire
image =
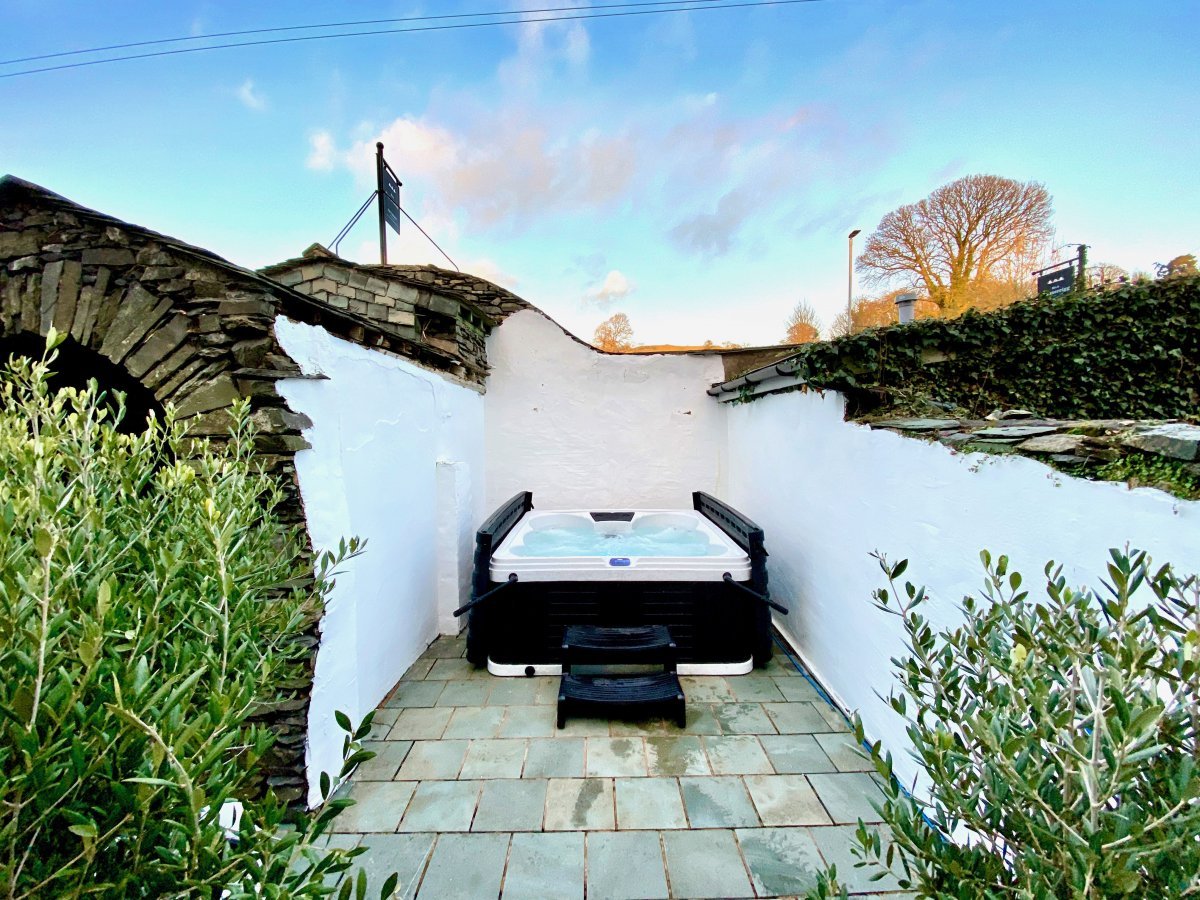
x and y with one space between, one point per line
349 24
708 5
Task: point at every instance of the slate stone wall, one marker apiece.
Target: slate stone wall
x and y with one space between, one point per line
1077 446
448 312
196 331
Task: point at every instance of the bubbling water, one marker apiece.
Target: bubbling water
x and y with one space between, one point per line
666 540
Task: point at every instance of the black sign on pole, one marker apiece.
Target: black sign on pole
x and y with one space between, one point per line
1059 281
387 188
391 198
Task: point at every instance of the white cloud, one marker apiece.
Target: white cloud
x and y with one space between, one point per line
615 286
709 177
322 154
251 97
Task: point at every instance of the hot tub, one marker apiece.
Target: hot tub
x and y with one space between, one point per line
701 572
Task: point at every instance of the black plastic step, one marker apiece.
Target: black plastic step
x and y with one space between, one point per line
637 691
584 644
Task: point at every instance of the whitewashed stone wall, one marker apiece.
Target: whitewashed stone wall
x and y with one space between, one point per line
829 492
396 460
584 429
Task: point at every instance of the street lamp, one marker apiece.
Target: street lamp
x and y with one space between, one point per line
850 283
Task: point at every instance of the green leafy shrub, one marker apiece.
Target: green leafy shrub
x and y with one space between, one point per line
1059 739
144 616
1133 352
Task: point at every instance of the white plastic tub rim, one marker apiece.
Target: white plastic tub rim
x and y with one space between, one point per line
724 556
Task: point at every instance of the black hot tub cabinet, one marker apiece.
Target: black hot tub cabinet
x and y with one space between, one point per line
721 624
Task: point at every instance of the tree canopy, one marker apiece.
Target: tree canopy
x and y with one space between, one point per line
614 334
970 236
803 325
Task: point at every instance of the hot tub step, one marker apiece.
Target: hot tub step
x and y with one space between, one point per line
632 692
592 644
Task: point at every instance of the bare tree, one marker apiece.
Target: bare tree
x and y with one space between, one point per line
1102 274
967 233
803 325
614 334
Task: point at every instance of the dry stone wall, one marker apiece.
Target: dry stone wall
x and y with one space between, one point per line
1081 447
195 330
448 312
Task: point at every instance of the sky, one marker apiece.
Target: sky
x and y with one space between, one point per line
698 171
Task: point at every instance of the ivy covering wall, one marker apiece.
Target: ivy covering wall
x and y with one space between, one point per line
1132 352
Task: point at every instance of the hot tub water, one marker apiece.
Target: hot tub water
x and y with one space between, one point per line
653 540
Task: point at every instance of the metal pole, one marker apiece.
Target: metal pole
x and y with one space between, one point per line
379 194
850 284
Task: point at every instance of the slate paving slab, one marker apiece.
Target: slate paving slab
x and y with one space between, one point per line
433 760
579 804
717 802
404 854
707 689
441 806
845 752
612 757
796 718
833 718
466 866
511 805
541 866
797 690
743 718
494 758
388 757
835 844
785 800
847 796
415 693
378 806
475 722
782 861
554 758
625 865
528 722
755 688
513 692
463 693
676 755
737 755
445 669
793 754
648 803
705 864
420 724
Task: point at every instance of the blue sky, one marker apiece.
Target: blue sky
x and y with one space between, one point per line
697 171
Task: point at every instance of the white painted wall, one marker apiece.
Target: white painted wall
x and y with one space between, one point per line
397 460
585 430
828 492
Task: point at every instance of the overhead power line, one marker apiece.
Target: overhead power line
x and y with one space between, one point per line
350 24
706 5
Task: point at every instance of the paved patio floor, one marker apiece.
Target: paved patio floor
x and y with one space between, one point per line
475 793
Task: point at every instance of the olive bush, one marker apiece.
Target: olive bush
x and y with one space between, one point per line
149 603
1059 738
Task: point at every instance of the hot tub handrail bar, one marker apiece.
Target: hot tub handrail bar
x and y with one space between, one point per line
762 598
467 607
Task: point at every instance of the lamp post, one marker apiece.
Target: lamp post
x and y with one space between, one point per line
850 283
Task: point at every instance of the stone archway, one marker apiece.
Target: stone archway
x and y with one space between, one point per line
170 324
